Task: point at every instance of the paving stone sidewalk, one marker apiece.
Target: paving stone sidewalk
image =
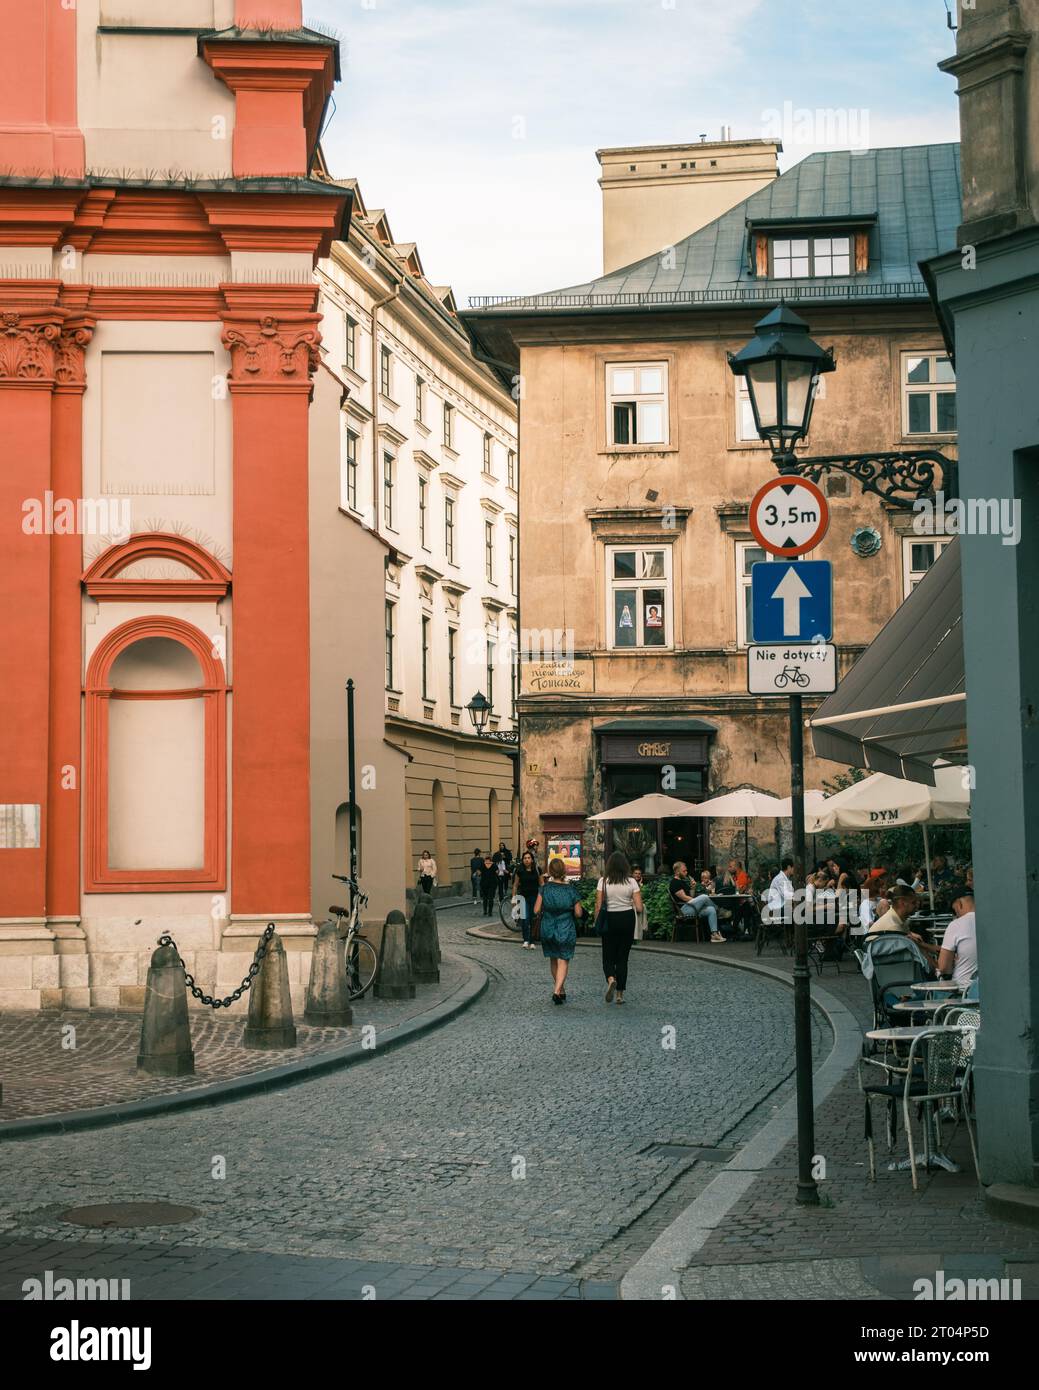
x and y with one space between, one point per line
54 1063
867 1239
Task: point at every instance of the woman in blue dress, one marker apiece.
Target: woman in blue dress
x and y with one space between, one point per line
559 903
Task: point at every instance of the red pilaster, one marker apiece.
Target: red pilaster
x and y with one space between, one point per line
30 330
272 335
65 774
38 131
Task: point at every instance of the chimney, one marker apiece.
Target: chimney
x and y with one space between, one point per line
654 195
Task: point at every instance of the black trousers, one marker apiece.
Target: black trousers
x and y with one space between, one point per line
616 946
488 894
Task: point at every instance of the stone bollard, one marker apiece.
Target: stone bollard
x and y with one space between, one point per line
165 1032
393 978
270 1022
425 945
328 993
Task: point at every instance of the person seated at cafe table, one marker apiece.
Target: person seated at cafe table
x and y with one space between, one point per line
958 953
903 903
736 879
681 890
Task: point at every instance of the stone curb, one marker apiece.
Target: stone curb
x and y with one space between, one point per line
661 1266
270 1079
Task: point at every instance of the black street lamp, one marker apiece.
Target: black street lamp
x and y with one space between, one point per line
479 708
782 366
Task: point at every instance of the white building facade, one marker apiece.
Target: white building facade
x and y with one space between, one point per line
430 463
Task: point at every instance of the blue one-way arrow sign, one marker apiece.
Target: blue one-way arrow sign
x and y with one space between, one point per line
792 600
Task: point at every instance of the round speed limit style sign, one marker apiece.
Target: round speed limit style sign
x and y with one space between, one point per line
789 516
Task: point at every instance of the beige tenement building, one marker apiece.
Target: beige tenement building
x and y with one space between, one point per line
429 464
640 459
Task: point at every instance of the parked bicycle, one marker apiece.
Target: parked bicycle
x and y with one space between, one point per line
359 953
510 910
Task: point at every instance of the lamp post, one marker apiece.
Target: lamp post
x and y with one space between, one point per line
479 708
782 367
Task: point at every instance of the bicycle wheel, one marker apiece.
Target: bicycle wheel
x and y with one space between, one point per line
505 913
361 962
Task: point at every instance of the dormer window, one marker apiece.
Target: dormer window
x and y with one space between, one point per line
807 258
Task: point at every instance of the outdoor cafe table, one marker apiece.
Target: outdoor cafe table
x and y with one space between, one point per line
909 1033
919 1006
906 1035
938 987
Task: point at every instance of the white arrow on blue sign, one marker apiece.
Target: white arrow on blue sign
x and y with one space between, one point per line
792 600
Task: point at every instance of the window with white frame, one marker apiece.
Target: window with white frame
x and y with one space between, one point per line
420 400
427 623
512 562
492 661
351 343
636 403
806 258
918 555
391 641
449 425
389 479
488 454
352 442
928 393
386 373
488 550
449 526
510 476
452 661
749 554
746 430
423 506
638 595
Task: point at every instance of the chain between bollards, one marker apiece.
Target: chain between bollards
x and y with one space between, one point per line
254 970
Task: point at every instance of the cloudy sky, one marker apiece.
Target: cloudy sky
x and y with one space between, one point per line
475 122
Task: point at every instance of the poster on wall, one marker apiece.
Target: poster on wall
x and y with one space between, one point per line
567 848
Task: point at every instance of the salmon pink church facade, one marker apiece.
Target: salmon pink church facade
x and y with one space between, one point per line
181 597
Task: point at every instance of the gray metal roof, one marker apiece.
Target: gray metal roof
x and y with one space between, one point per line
908 195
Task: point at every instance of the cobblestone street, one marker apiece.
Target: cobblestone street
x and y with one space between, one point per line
514 1140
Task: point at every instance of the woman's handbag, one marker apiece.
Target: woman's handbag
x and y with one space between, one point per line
600 920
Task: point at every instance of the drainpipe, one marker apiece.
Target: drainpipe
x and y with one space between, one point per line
377 304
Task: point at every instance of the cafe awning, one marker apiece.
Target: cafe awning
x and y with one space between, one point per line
902 706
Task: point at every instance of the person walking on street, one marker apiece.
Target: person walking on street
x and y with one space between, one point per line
501 868
641 918
427 871
559 903
488 884
619 893
475 868
527 884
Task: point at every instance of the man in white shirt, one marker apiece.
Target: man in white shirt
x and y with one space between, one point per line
781 894
958 956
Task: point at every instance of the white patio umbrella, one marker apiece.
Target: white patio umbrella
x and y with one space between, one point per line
879 802
744 804
656 806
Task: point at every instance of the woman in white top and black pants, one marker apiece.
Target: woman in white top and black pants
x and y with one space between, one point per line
623 900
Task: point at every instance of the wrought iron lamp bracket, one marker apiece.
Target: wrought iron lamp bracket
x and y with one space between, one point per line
901 479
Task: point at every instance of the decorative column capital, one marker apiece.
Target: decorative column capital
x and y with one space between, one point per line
273 352
70 368
27 348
